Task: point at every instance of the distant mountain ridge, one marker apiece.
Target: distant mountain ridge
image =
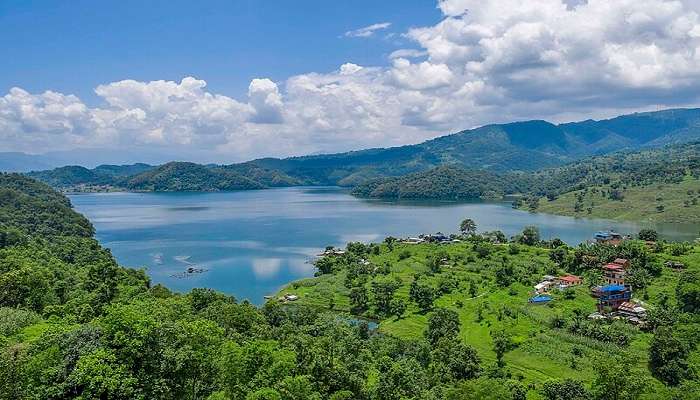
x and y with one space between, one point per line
518 146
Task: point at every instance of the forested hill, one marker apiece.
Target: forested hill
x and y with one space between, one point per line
443 183
34 208
518 146
524 146
170 177
658 185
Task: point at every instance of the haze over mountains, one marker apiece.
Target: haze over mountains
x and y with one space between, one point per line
518 146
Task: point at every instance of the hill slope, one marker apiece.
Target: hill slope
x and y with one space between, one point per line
184 176
524 146
660 185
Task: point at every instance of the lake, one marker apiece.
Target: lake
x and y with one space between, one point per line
251 243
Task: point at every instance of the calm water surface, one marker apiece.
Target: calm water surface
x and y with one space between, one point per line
254 242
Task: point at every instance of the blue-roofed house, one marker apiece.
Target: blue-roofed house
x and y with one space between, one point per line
612 296
609 237
540 299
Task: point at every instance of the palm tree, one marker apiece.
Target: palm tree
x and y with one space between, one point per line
468 226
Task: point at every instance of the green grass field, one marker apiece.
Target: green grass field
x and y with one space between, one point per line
540 352
668 203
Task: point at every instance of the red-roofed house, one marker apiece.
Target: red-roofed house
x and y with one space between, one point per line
614 274
625 263
569 280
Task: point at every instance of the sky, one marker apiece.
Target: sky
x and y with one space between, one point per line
227 81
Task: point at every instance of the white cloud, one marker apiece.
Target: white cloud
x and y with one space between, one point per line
368 31
407 53
424 75
266 100
483 62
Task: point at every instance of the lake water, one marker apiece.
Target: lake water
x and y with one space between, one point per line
251 243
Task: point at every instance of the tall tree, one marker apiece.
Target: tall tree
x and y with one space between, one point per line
468 226
442 324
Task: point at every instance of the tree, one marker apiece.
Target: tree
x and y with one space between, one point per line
442 323
297 388
324 265
398 307
668 357
688 291
530 236
389 241
567 389
403 379
468 226
504 274
264 394
435 261
455 360
558 255
358 299
501 344
481 389
648 234
422 294
609 383
638 278
383 289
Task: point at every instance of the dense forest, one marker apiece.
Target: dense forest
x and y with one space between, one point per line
169 177
443 183
74 324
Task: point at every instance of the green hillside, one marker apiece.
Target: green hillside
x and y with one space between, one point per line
183 177
656 185
443 183
518 146
486 286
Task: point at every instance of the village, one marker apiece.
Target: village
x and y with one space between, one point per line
614 295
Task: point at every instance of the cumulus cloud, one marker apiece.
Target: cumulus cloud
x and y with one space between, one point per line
368 31
266 100
483 62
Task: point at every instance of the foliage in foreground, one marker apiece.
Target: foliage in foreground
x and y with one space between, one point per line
73 324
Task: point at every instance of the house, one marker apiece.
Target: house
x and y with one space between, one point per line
608 237
540 299
413 240
675 265
612 296
543 287
625 263
614 274
569 280
439 237
291 297
332 252
632 310
596 316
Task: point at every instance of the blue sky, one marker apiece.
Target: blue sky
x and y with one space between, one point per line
73 46
226 81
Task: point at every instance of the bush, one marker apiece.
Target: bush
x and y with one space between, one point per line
13 320
648 234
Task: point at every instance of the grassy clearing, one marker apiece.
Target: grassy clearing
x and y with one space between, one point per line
668 203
